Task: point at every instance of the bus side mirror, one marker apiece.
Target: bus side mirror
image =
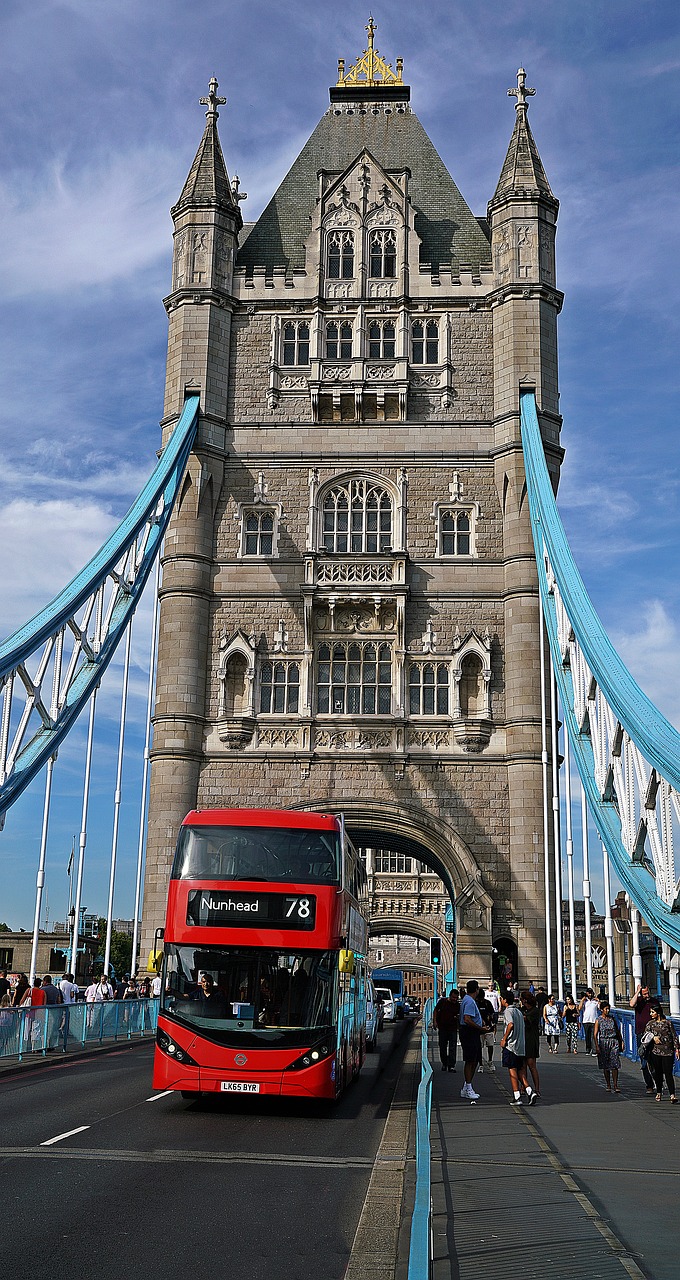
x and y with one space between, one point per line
155 961
346 961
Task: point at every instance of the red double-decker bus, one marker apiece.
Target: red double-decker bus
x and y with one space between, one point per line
264 962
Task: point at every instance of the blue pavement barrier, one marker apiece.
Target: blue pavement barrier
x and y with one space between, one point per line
626 1021
46 1029
420 1244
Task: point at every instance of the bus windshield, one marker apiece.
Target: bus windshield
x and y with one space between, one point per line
257 853
251 996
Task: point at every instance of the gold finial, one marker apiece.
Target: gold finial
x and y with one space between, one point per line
521 93
212 102
370 71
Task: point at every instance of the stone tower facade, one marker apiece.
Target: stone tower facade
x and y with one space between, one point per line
349 608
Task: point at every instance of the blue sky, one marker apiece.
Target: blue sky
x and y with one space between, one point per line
100 122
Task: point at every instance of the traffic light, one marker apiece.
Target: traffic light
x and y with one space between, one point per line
435 950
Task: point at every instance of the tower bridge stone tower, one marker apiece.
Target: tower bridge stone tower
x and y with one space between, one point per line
349 607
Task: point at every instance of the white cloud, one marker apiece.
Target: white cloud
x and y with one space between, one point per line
64 229
42 546
650 651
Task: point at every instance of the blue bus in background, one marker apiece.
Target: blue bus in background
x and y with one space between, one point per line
393 979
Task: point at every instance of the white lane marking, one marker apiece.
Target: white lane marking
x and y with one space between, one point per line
156 1096
60 1136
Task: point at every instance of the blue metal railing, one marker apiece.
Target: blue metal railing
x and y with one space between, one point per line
42 1030
626 1021
420 1251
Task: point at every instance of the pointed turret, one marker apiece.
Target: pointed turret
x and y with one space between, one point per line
523 169
207 222
207 183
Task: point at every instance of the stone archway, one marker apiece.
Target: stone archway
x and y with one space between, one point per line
437 845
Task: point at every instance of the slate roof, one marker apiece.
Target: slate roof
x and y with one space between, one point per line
208 181
522 169
449 231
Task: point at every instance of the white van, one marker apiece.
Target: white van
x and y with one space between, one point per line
388 1003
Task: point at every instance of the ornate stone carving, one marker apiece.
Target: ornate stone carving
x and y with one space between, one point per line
278 737
525 252
336 373
425 379
354 572
429 739
345 290
381 289
379 372
352 739
472 735
290 383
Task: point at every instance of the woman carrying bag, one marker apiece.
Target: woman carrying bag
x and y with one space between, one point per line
661 1045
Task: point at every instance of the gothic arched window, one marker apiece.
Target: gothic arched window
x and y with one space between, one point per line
341 255
381 340
429 689
279 687
354 678
383 254
425 342
258 533
339 341
357 518
296 343
455 533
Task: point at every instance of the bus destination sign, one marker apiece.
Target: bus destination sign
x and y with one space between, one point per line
220 907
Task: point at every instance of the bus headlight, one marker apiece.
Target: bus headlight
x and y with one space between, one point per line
311 1057
166 1045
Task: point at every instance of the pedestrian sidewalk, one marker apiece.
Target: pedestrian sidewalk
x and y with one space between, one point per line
584 1183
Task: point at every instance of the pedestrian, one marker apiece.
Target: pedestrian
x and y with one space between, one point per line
608 1046
33 1001
69 995
53 998
551 1020
156 985
99 991
20 990
513 1049
4 984
589 1008
8 1021
532 1037
487 1039
445 1020
470 1029
642 1003
571 1020
663 1050
144 989
541 1000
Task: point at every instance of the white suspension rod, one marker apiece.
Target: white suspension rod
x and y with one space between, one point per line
83 836
570 862
586 886
609 929
40 878
546 820
559 940
145 769
117 795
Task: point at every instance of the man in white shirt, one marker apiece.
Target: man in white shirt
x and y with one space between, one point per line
69 994
492 995
156 986
589 1009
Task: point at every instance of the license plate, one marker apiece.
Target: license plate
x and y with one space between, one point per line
239 1086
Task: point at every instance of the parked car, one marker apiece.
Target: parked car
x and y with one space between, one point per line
388 1003
374 1017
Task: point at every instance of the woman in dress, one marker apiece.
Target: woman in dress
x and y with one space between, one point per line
608 1046
532 1036
571 1017
662 1051
551 1019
